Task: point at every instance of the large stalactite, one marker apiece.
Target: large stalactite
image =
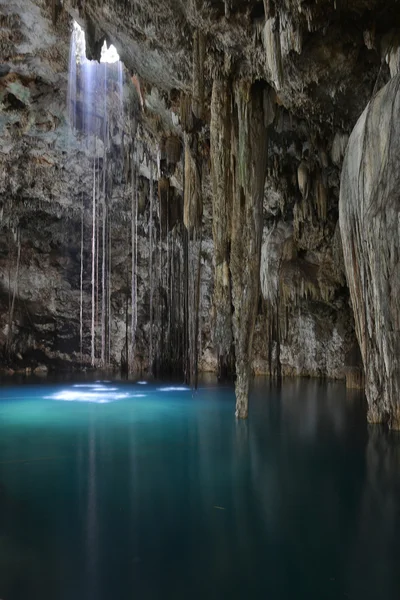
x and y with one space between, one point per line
220 139
239 158
249 161
192 218
370 228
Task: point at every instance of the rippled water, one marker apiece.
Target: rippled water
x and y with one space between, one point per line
149 491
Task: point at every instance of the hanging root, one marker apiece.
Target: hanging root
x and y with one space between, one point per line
193 198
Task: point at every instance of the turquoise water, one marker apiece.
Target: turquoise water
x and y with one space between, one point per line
141 491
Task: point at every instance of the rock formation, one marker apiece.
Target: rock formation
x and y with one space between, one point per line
215 224
370 226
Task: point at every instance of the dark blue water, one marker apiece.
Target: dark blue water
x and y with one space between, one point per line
137 491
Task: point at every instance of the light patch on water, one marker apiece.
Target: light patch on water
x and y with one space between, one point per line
96 387
96 395
174 389
83 385
142 382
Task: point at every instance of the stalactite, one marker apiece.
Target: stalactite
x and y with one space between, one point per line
160 320
272 45
191 306
267 8
14 293
193 299
321 197
278 343
186 113
163 197
184 290
220 154
162 153
239 121
169 285
199 49
134 176
56 8
186 308
270 339
193 210
303 179
369 227
173 150
173 307
248 169
150 366
339 146
197 303
125 350
136 250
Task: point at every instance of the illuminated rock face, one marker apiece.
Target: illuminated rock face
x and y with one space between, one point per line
370 226
245 148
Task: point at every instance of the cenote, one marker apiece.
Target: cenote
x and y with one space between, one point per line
205 196
146 490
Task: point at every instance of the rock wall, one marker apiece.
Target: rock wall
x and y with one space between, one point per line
370 226
46 201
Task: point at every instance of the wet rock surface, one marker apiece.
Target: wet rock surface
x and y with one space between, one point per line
369 221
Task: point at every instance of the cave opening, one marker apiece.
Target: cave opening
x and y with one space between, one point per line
96 119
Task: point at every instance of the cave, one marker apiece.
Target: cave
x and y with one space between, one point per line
199 299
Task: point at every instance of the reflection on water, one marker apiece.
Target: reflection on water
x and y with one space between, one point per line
100 394
163 494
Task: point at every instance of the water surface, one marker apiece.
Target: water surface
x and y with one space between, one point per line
145 491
